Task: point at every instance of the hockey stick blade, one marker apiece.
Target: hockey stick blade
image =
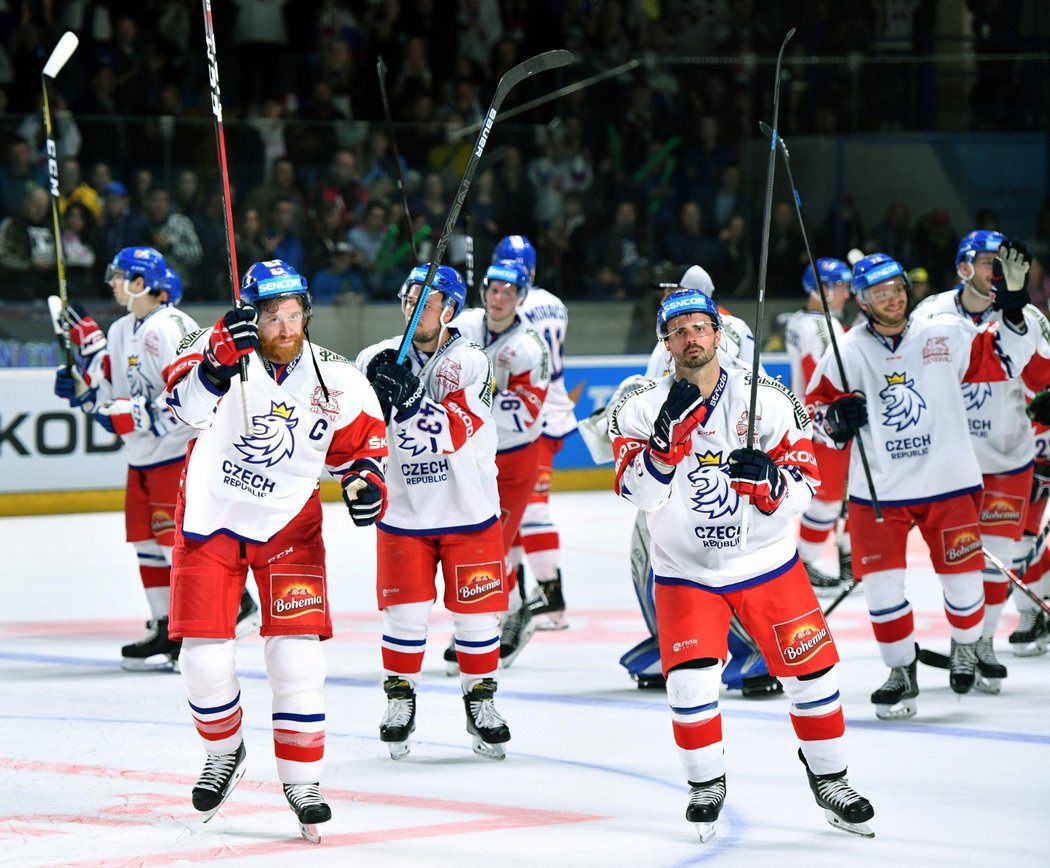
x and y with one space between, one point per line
60 56
555 59
934 659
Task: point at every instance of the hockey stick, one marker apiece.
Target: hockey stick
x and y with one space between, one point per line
1015 580
224 175
470 256
59 57
763 267
824 304
381 72
511 78
842 596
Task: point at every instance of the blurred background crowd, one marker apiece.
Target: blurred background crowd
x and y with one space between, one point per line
619 184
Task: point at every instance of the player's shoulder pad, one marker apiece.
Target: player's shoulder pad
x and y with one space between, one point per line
798 409
614 427
190 340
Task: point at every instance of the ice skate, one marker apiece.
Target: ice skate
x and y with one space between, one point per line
705 804
1032 634
451 660
155 653
990 672
761 687
516 631
844 807
484 723
399 721
895 700
963 671
547 605
824 585
305 800
247 616
845 566
221 774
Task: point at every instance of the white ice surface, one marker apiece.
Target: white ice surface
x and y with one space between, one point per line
96 764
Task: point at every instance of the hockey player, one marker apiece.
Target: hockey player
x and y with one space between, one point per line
538 538
521 366
250 498
906 372
680 458
119 380
807 339
444 508
1000 432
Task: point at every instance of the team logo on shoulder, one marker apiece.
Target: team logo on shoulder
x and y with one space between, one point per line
329 408
802 638
936 350
975 394
712 495
448 374
271 438
904 405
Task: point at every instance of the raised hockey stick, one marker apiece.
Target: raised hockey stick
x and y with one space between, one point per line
224 176
511 78
59 57
381 72
763 267
767 131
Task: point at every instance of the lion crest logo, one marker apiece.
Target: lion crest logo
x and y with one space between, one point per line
712 495
271 438
903 404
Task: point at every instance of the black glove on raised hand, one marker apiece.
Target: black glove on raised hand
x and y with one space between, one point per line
235 336
753 474
364 493
845 416
398 387
1010 278
381 358
669 442
1038 409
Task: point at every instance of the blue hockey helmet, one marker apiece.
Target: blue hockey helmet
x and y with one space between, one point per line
874 269
446 280
683 301
274 279
511 271
172 284
144 262
831 271
520 248
978 241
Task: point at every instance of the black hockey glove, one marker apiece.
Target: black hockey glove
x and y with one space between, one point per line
1039 408
75 388
845 416
674 426
364 493
753 474
398 387
1009 279
1040 482
234 336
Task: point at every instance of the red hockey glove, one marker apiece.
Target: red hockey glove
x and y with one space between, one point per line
753 474
674 426
234 336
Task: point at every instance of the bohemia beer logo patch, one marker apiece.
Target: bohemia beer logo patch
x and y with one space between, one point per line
296 591
802 638
999 508
476 582
960 543
161 521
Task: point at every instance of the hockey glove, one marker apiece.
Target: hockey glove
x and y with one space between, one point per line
364 492
234 337
84 333
72 385
397 386
845 416
753 474
678 418
124 415
1039 408
382 357
1040 482
1009 278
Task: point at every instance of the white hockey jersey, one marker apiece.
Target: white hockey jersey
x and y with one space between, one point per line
139 352
249 485
546 313
693 514
521 367
1000 430
807 338
442 463
915 440
738 342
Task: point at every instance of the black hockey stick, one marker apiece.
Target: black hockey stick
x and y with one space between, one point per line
59 57
511 78
767 131
763 267
381 72
842 596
